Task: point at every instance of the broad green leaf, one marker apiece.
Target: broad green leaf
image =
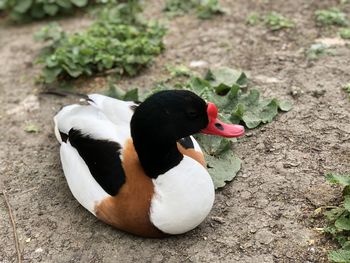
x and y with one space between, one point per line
223 168
222 164
331 229
341 256
338 179
213 145
51 9
64 3
346 190
251 119
80 3
37 12
334 213
285 105
3 4
347 203
50 74
131 95
345 244
343 222
226 76
115 92
22 6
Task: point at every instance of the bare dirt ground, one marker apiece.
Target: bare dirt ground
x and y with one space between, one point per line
264 215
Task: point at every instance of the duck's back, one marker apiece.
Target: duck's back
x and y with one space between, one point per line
91 147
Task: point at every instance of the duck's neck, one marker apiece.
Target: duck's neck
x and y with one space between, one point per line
156 154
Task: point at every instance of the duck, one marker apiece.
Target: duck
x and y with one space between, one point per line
136 166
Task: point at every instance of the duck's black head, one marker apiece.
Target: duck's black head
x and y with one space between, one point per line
170 115
167 116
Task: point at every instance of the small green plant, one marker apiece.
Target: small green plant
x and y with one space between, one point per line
318 50
204 9
118 41
32 128
347 89
275 21
344 33
253 19
339 220
178 71
329 17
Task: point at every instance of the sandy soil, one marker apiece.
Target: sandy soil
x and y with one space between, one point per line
264 215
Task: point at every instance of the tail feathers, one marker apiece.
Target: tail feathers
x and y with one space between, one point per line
61 132
117 111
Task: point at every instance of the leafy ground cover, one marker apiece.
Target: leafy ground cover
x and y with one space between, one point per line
117 41
339 220
20 10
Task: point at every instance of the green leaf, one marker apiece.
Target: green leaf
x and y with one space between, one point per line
177 71
50 74
115 92
285 105
344 33
37 12
334 213
51 9
347 203
341 256
223 165
131 95
331 229
226 76
343 222
66 4
80 3
338 179
253 19
346 190
32 128
22 6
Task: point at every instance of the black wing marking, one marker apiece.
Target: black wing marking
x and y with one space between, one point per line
64 136
134 106
186 142
103 159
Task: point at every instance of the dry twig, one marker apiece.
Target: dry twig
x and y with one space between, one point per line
19 256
